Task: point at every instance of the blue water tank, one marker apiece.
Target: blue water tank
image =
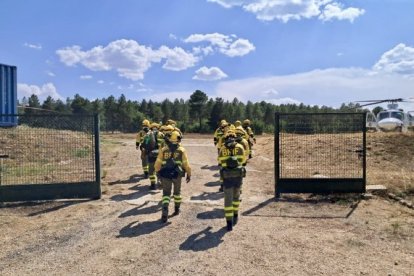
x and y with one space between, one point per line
8 95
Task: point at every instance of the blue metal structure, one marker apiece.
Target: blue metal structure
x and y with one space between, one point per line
8 95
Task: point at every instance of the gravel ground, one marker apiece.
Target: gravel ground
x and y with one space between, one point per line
121 234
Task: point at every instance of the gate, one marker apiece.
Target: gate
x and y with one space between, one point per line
320 153
49 157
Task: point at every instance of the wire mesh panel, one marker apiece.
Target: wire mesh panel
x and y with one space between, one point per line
320 152
47 154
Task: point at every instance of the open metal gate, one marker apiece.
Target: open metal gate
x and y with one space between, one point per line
48 157
320 153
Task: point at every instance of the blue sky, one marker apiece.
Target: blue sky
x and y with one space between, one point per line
322 52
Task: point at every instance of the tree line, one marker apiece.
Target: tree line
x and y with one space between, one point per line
198 114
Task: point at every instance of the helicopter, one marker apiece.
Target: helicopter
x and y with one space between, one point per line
391 119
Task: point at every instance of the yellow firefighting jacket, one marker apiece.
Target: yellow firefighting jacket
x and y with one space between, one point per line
180 157
250 134
225 153
140 137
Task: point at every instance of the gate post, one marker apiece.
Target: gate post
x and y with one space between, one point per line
276 157
97 156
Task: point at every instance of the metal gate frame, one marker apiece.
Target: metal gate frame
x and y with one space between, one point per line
318 185
33 192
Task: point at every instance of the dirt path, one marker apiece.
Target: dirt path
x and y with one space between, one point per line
121 234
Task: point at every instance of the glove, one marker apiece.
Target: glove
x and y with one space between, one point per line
188 178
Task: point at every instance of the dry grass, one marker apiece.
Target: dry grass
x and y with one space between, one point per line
390 158
40 155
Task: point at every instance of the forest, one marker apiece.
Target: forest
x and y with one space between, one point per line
198 114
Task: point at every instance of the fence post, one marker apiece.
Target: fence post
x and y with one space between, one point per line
2 156
276 157
97 155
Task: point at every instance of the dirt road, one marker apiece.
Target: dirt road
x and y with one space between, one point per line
121 234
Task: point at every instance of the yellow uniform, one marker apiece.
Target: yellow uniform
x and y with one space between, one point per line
232 157
138 144
171 165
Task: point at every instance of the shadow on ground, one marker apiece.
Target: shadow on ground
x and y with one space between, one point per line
212 184
208 196
204 240
142 210
35 208
211 168
322 207
213 214
135 178
139 191
135 229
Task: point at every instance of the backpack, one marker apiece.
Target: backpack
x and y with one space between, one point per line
149 142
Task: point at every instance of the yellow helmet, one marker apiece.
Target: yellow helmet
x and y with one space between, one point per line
171 122
154 125
175 137
168 128
246 122
237 123
240 131
223 123
230 132
145 123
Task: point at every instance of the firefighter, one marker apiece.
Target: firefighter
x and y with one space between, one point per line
224 126
240 138
173 123
232 157
251 138
156 142
167 130
238 124
219 132
171 165
138 144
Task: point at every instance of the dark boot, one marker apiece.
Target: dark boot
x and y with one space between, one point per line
221 188
235 219
176 210
164 216
146 175
152 187
250 156
229 225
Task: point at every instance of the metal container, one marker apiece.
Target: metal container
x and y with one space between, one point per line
8 95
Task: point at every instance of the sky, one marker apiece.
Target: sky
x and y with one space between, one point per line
316 52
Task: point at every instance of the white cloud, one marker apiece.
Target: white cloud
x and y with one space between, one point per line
209 74
399 59
130 59
33 46
320 87
177 59
285 10
50 74
391 77
85 77
100 81
42 92
228 45
336 11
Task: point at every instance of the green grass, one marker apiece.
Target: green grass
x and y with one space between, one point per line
82 153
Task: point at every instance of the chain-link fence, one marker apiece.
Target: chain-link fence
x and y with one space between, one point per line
49 149
317 147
